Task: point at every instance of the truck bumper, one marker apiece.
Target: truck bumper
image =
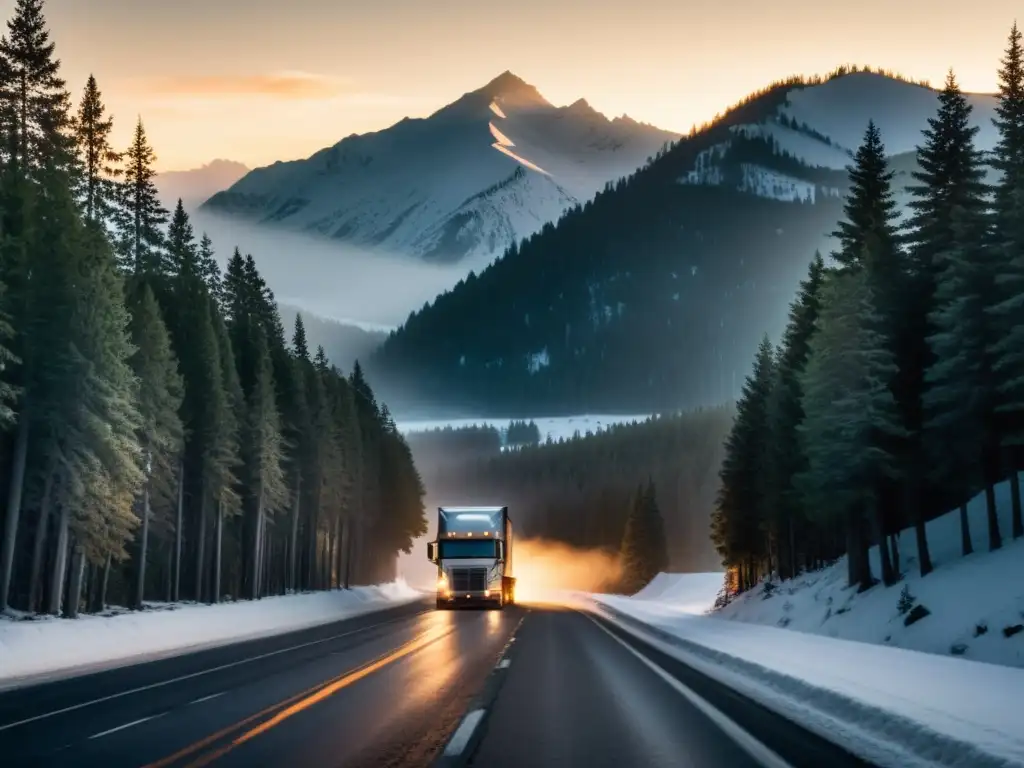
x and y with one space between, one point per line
470 599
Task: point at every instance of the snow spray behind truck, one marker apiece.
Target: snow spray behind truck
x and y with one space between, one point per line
473 554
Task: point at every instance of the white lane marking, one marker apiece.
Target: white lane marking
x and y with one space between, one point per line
126 725
463 733
503 664
762 754
202 672
206 698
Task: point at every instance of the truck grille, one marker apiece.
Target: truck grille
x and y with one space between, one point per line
469 579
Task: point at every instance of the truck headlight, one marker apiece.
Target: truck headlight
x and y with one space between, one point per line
442 584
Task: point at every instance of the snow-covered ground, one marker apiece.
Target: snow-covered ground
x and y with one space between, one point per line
976 602
948 690
555 427
32 650
893 707
687 592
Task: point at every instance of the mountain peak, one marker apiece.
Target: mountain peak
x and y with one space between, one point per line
582 107
509 87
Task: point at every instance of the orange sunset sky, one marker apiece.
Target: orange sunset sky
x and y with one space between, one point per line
264 80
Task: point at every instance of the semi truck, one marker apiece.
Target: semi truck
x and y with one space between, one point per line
473 554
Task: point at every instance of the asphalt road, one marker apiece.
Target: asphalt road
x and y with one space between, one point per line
408 687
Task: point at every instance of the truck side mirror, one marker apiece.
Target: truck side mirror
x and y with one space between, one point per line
501 551
432 551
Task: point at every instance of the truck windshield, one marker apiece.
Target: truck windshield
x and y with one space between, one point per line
466 548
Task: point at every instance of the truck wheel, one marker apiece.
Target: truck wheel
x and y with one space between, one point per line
442 606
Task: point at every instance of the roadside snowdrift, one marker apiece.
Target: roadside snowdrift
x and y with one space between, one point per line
46 648
687 592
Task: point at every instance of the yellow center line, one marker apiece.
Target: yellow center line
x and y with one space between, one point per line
293 705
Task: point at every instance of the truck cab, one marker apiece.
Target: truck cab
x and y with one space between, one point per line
473 554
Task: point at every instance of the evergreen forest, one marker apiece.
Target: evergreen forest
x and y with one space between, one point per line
163 439
896 393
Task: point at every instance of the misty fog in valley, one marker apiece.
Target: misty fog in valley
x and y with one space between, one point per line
333 280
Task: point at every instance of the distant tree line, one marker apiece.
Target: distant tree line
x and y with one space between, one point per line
522 433
897 390
163 440
580 491
343 343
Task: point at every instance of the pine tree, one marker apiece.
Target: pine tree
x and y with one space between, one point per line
1007 243
786 415
299 344
265 454
104 461
947 226
141 247
210 271
849 411
740 517
35 97
161 435
183 258
643 554
227 465
97 187
870 210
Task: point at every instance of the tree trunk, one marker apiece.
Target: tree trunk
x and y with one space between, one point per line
169 576
339 554
995 538
75 592
852 563
894 540
915 491
217 554
14 492
793 566
140 582
348 552
60 561
966 547
266 561
311 535
877 516
104 583
254 566
176 595
1017 521
39 545
332 548
293 540
201 550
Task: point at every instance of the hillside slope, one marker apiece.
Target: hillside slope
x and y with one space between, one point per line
474 177
654 295
975 603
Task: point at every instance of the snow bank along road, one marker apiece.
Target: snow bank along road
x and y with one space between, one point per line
409 686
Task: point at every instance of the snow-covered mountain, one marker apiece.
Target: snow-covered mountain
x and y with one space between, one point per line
197 184
821 125
477 175
675 276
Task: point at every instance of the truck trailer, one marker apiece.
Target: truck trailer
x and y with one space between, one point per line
473 554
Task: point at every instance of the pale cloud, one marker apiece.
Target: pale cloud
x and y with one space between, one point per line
276 85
